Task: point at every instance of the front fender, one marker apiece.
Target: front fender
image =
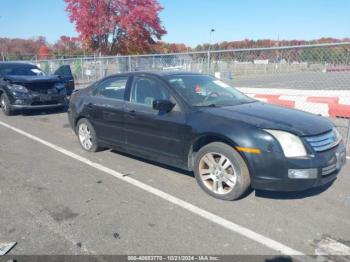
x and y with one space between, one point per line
237 134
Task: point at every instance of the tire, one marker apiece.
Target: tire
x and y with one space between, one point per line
232 173
5 105
84 129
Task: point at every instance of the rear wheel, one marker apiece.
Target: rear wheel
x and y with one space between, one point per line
5 105
87 136
221 171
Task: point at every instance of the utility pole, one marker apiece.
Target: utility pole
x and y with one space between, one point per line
210 36
99 46
1 49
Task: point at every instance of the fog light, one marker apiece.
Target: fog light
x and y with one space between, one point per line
302 173
19 101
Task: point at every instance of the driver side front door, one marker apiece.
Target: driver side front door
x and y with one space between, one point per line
149 133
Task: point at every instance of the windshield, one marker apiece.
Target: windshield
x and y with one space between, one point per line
21 70
203 90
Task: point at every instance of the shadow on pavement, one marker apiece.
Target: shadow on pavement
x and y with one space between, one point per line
279 259
39 112
178 170
293 195
258 193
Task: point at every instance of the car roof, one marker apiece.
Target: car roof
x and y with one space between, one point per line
157 73
16 64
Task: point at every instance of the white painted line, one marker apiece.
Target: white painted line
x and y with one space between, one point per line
6 247
265 241
329 246
296 92
315 108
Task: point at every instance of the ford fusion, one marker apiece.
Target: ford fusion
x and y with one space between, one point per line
199 123
25 86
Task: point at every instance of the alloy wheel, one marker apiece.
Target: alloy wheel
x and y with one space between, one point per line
217 173
85 136
3 103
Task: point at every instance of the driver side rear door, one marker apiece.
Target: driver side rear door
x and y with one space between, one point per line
106 110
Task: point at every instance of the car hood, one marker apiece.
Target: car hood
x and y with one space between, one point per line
31 79
267 116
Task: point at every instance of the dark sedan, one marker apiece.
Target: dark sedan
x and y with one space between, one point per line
199 123
25 86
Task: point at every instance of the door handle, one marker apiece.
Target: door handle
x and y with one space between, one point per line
132 113
89 106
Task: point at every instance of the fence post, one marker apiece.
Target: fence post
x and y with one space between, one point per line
129 59
95 67
101 70
208 61
82 69
348 137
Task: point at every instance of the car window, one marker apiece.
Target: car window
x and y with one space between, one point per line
204 90
64 71
113 88
146 90
21 70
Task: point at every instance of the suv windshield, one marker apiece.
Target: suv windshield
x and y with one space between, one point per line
204 90
21 70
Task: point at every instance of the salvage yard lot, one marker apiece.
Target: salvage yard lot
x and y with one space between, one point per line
52 203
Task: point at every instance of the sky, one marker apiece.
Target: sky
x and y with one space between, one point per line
190 21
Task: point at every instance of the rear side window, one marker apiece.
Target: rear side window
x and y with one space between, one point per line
113 88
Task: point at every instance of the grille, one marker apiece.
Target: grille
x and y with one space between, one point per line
40 88
329 170
323 142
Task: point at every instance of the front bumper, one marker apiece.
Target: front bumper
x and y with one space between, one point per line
37 101
270 171
28 107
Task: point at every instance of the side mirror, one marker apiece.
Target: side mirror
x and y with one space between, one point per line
163 105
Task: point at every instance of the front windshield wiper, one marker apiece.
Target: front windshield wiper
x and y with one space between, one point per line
210 105
250 101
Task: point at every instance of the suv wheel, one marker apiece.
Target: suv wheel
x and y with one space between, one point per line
5 105
221 171
87 135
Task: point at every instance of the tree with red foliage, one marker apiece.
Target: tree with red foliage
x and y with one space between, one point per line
117 26
16 48
44 52
68 46
162 47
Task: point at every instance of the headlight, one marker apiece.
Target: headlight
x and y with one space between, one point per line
59 86
337 135
17 88
291 144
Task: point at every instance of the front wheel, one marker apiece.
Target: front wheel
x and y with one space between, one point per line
87 136
221 171
5 105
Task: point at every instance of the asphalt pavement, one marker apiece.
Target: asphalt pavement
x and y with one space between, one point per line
53 202
296 80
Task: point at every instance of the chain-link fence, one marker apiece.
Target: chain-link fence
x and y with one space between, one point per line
313 78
